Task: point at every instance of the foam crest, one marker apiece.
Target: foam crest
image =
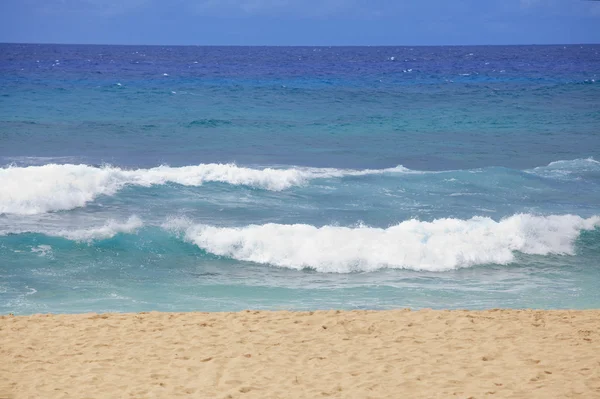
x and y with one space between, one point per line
581 162
568 168
440 245
40 189
110 229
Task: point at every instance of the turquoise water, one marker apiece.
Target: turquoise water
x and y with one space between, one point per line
225 178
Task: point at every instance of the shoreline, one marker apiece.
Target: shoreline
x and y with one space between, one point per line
299 354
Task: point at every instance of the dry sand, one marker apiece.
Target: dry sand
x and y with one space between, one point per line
357 354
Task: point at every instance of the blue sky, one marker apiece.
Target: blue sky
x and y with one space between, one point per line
300 22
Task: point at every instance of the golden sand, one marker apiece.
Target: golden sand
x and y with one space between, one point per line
339 354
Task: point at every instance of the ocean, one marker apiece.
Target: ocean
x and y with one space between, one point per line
137 178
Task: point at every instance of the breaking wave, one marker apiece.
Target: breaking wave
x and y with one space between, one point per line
436 246
39 189
440 245
55 187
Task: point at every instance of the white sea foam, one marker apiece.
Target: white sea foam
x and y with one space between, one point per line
36 161
443 244
567 168
110 229
582 163
53 187
42 250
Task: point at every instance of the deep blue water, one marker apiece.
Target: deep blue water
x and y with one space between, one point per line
223 178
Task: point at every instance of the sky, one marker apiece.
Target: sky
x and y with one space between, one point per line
300 22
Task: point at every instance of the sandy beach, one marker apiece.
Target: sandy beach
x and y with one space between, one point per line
342 354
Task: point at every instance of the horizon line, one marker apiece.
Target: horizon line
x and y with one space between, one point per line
297 45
